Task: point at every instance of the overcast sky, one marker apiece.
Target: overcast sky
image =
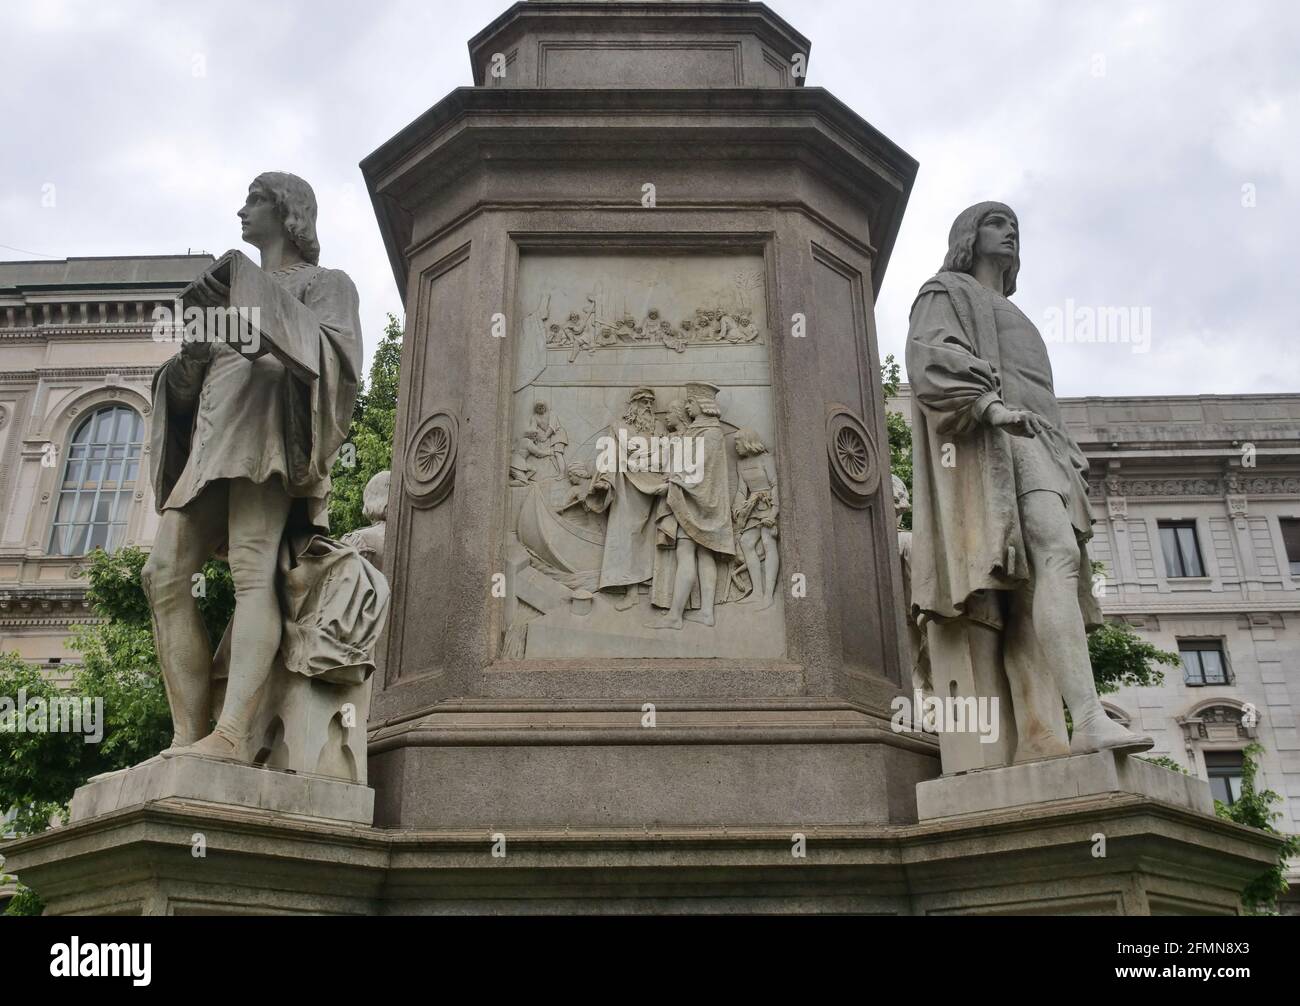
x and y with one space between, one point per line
1124 134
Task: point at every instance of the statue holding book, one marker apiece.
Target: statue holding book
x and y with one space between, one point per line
244 434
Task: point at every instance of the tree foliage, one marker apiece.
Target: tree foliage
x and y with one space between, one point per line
900 433
1254 808
1121 658
371 436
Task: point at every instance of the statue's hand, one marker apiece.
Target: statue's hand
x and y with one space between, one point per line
1017 422
208 291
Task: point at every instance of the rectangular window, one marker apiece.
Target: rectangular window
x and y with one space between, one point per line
1178 543
1224 771
1203 662
1291 541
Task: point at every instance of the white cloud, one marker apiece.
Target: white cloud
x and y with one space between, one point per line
1128 184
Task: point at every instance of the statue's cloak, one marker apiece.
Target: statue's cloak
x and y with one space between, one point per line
703 508
257 418
967 539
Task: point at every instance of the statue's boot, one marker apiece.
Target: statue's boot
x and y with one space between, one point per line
1101 733
1039 743
217 745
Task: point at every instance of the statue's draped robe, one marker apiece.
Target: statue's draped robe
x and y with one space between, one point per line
237 416
242 417
703 509
968 348
629 554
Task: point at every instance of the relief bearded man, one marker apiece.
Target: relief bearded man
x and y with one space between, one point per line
999 531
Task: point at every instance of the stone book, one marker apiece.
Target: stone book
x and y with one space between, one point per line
289 330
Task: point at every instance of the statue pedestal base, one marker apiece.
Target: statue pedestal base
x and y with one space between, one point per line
1052 779
193 779
1037 859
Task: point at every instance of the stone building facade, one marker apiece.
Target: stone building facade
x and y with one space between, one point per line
77 355
1196 510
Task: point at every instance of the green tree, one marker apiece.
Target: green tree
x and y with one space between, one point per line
1121 658
371 436
900 434
1254 808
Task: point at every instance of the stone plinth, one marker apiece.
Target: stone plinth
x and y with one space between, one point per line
1067 778
645 199
1160 859
203 780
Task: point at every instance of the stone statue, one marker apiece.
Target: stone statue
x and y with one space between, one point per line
369 541
697 523
551 437
628 557
916 641
755 510
242 444
1000 510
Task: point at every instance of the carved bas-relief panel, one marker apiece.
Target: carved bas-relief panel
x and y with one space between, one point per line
644 511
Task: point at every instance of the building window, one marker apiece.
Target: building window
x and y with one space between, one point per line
1182 554
1203 662
99 476
1223 768
1291 542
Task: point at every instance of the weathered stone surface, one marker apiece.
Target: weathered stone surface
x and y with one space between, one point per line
1159 860
208 781
1052 779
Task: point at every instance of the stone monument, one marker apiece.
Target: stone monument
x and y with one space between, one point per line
647 624
247 419
637 474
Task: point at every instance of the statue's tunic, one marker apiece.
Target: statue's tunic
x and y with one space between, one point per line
629 553
968 348
703 510
236 416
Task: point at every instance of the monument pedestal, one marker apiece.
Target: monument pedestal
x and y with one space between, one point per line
1038 859
191 779
704 763
1052 779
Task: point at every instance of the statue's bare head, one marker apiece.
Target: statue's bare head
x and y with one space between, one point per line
374 498
640 411
281 206
901 501
987 231
749 443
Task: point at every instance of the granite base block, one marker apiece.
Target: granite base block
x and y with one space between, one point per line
205 780
1058 779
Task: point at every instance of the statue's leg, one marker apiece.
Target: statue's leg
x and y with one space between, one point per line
258 512
186 540
1053 554
707 566
1040 722
682 584
749 549
771 566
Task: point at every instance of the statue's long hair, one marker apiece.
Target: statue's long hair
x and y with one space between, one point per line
964 233
749 443
296 203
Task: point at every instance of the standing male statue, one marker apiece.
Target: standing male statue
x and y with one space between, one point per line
241 450
696 523
999 504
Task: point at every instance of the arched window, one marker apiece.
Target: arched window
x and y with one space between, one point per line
99 476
